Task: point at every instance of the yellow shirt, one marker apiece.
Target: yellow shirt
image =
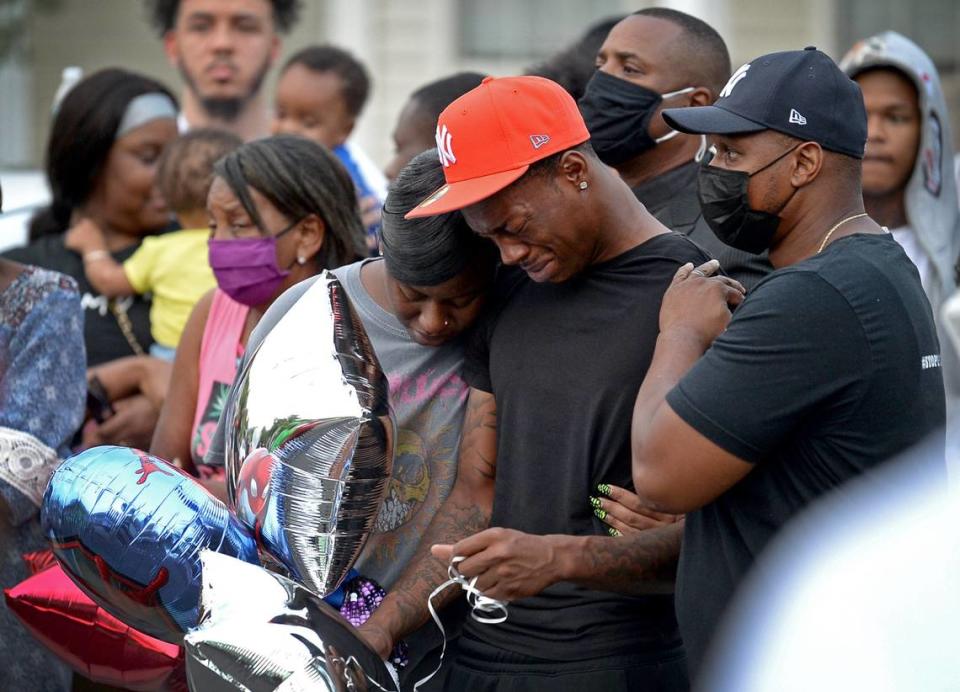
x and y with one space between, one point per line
175 268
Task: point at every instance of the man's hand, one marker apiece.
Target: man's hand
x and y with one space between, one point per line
624 511
508 564
675 467
698 303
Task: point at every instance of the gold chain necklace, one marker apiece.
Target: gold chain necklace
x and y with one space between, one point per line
835 227
126 326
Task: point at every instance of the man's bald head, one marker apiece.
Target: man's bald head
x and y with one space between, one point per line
699 56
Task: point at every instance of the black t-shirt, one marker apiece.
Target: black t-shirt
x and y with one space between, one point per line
565 362
828 368
102 334
672 199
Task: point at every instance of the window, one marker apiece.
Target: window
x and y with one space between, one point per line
932 24
495 29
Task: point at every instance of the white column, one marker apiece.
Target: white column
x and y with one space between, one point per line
716 13
16 89
15 122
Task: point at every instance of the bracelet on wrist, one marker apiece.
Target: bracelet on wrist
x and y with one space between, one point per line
95 255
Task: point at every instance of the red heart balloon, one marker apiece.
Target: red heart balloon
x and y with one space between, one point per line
39 560
93 642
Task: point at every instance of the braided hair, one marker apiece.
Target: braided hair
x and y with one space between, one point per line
300 178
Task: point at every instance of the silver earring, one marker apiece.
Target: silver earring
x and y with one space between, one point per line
301 260
583 185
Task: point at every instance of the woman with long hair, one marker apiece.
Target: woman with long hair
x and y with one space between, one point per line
101 160
281 210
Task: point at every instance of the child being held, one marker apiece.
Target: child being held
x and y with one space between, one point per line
172 266
320 94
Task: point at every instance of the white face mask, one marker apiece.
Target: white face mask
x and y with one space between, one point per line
673 133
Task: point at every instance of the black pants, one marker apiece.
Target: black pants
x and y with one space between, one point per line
479 667
425 645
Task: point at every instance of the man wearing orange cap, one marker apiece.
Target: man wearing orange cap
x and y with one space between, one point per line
553 372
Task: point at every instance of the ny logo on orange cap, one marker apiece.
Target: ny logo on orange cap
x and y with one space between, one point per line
444 141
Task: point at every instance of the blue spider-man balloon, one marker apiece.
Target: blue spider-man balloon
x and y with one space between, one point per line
129 528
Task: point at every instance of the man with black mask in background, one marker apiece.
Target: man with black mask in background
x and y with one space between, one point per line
652 59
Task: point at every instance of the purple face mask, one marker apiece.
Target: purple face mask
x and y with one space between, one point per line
246 268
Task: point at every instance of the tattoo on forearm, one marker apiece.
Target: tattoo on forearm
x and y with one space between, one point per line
478 446
453 523
465 512
636 564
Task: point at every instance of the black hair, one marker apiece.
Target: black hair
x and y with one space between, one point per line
83 132
353 75
163 14
899 72
432 98
430 250
573 66
848 169
300 178
546 167
702 52
185 169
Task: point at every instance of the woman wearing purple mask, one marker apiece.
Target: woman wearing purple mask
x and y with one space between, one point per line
281 210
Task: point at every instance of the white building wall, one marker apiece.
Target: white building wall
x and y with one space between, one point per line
405 43
16 124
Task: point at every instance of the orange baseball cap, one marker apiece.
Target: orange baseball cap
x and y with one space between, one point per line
488 138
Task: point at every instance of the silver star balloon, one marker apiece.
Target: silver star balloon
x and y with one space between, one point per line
262 631
310 438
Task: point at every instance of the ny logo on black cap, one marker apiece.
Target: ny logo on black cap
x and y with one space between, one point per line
735 79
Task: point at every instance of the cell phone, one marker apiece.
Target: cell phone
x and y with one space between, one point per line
98 403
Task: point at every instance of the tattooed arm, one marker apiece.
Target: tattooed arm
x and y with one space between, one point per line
637 563
510 564
465 511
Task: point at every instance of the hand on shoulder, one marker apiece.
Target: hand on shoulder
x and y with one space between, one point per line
84 236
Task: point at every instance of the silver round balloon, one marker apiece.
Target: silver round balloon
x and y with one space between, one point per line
309 438
262 631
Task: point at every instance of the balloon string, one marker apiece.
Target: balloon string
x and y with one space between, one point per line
352 660
481 609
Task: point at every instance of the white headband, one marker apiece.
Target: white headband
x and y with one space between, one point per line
145 108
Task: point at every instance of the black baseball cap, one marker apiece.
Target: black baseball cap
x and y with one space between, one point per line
801 93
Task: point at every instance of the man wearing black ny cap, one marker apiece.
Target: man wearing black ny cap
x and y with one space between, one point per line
829 367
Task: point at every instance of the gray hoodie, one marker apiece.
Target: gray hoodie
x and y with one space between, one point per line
931 192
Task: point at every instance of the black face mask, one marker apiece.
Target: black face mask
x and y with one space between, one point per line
725 208
618 115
